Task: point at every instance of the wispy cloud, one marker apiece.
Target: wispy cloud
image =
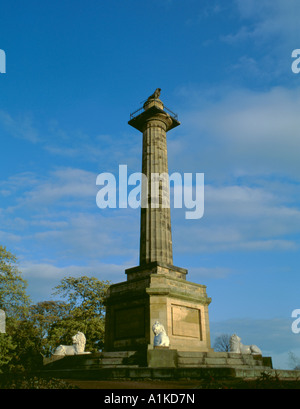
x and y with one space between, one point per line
59 187
246 132
43 277
265 20
266 33
47 270
58 213
238 218
20 127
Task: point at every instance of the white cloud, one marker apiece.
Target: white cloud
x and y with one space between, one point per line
61 185
15 183
266 34
90 235
240 218
43 277
56 216
7 236
46 270
241 132
20 127
267 19
98 149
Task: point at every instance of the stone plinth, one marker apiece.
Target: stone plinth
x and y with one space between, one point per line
158 293
161 357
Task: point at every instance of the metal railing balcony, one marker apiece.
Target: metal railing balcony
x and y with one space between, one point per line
140 110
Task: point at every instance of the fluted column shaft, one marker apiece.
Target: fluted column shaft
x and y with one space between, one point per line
156 236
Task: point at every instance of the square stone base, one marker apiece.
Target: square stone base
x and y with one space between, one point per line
162 358
157 294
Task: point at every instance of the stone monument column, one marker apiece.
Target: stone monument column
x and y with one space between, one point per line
156 290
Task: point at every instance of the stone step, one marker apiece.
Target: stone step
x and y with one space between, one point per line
183 359
111 361
216 366
117 366
194 354
118 354
212 364
166 373
218 359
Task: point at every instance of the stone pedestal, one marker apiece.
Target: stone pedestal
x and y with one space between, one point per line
161 357
157 292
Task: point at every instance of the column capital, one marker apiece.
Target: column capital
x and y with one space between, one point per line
152 110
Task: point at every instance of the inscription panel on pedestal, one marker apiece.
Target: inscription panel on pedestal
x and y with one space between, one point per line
129 322
186 321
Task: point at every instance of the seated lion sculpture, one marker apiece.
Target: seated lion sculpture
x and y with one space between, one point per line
237 347
161 339
77 348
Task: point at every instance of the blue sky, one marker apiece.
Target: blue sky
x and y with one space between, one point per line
76 69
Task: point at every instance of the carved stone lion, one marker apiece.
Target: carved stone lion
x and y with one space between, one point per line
161 338
155 94
237 347
77 348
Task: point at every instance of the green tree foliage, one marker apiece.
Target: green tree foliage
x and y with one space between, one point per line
85 311
13 298
14 301
46 316
34 331
27 353
7 348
